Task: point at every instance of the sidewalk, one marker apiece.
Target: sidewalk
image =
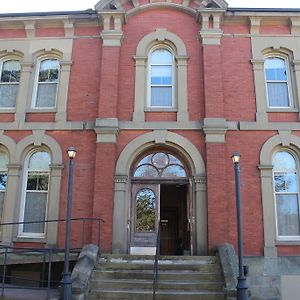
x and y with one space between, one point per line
29 294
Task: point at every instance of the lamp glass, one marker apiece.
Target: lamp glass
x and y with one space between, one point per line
71 152
236 157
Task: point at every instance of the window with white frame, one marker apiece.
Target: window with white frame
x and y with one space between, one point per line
161 78
278 82
35 194
46 83
286 191
3 178
9 83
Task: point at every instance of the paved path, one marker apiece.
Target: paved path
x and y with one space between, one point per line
28 294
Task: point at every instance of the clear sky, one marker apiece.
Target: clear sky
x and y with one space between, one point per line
14 6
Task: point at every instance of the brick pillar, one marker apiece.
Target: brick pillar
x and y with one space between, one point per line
106 152
215 127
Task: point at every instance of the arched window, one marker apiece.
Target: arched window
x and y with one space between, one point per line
45 89
286 191
277 82
35 193
159 165
9 83
3 178
161 78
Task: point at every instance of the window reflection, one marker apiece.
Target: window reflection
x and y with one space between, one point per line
145 210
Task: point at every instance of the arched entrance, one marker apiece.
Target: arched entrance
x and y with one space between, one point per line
159 199
188 154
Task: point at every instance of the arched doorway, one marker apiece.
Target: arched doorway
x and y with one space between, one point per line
159 198
196 192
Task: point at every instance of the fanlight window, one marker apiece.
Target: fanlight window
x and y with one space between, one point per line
160 165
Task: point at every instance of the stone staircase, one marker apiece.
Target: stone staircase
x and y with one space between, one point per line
179 277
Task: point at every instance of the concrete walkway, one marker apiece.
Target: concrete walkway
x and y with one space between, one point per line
29 294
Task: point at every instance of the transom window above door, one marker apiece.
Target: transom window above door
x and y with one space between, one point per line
159 165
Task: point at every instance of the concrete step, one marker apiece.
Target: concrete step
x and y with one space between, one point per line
162 275
127 284
160 295
182 278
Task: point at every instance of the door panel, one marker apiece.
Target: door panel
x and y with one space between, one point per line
145 215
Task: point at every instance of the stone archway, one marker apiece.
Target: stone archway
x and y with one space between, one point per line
190 154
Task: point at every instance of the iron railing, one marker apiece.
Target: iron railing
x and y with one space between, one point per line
46 256
155 268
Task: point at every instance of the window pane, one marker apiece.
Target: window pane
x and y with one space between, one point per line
35 210
145 160
160 160
278 94
39 161
3 181
32 182
11 71
287 215
283 160
43 182
49 70
161 96
46 95
174 171
275 69
161 56
8 95
145 210
161 75
286 182
3 159
146 171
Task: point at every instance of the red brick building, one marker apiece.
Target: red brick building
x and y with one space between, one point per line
155 97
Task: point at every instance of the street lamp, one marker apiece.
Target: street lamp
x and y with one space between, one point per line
242 287
67 280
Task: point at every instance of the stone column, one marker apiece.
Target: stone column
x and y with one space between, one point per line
23 93
11 206
200 224
53 204
120 217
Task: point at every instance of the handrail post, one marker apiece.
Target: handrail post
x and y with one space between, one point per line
49 272
4 272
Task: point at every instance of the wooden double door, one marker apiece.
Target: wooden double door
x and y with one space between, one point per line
165 206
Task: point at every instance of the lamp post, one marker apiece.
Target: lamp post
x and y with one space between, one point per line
242 287
67 280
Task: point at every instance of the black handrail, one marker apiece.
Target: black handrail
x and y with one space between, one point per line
46 283
155 268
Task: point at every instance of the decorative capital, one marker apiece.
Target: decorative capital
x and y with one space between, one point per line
120 178
107 130
199 179
215 130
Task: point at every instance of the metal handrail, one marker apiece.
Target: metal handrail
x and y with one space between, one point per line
46 282
155 268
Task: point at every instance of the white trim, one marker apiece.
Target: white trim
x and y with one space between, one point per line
2 62
149 85
21 233
36 84
288 82
274 172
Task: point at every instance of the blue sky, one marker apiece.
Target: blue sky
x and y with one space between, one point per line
13 6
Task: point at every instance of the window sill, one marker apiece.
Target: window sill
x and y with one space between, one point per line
29 239
291 110
41 110
161 109
287 243
7 110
